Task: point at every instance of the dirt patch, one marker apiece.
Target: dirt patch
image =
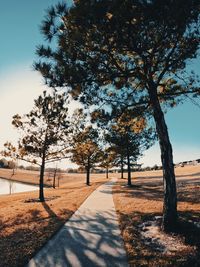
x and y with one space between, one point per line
168 244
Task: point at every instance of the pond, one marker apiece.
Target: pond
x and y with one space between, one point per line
11 187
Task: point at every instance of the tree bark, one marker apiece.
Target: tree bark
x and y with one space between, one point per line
129 183
170 216
122 169
88 172
107 172
42 168
54 178
87 176
58 180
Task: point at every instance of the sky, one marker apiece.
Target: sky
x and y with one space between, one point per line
19 84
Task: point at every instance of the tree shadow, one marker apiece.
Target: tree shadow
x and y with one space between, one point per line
86 240
187 190
189 226
32 232
144 252
160 177
143 255
106 192
51 213
142 191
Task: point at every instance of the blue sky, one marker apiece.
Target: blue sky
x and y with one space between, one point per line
19 84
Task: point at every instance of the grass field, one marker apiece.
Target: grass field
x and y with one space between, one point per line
25 224
32 177
140 208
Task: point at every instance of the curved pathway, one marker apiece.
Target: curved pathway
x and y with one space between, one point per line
91 237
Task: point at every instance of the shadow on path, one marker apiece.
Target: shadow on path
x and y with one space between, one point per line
90 238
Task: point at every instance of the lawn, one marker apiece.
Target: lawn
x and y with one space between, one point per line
25 224
32 177
140 209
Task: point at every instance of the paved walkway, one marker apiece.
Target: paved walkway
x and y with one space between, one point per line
90 238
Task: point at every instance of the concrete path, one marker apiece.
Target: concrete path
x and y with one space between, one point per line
91 237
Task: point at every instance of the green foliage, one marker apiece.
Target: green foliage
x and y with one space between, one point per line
128 54
129 136
124 44
3 163
7 164
43 130
108 158
126 131
85 149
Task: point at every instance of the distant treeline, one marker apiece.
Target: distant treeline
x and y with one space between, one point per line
7 164
82 170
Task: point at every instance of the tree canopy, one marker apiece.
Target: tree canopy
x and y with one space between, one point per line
131 53
85 150
44 132
129 136
121 43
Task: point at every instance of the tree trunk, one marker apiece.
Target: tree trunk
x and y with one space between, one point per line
54 178
129 168
87 175
42 168
107 172
122 169
58 180
88 172
170 216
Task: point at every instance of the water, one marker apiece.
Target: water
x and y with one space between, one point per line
10 187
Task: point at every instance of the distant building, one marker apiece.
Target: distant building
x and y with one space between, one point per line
189 162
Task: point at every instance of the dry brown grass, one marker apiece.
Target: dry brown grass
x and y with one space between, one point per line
143 201
32 177
26 225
